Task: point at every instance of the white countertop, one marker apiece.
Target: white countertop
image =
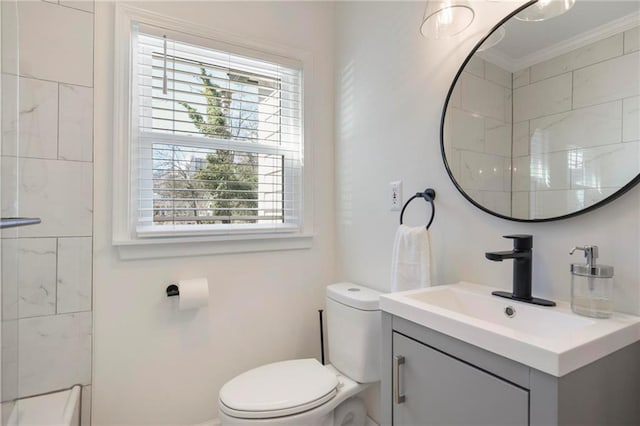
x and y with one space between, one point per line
550 339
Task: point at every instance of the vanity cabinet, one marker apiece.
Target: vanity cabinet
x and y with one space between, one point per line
432 379
451 391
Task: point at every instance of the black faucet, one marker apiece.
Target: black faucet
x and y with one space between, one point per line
522 265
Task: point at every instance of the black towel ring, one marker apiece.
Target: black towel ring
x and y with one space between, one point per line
429 195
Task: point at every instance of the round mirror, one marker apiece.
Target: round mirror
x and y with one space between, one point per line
544 123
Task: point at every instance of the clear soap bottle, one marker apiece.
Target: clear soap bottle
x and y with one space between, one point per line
591 285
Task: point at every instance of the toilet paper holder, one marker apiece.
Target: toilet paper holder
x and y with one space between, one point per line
173 290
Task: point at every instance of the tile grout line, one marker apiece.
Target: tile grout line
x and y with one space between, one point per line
58 126
57 270
583 66
47 159
31 77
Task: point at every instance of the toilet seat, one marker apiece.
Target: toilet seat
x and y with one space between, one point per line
279 389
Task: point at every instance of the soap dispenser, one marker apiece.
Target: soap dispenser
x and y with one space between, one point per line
591 285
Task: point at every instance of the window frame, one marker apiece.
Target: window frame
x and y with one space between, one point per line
133 243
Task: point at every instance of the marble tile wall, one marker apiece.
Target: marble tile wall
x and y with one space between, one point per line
573 115
479 126
47 172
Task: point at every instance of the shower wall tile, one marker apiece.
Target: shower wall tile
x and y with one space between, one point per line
36 119
497 137
497 75
521 174
592 196
483 172
9 360
55 43
508 105
632 40
74 274
76 123
578 58
549 171
466 130
546 97
541 172
31 264
496 201
584 127
521 78
54 352
631 119
607 81
36 271
520 204
521 140
596 170
9 281
60 193
554 203
483 97
9 104
9 46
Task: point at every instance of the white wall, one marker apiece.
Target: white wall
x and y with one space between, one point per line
390 87
153 365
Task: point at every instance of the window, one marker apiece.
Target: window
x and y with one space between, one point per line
214 137
218 138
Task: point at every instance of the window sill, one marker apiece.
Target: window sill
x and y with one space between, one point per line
157 248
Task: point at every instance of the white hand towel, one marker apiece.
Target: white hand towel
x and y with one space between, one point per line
411 259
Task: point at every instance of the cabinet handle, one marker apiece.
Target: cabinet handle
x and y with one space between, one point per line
398 360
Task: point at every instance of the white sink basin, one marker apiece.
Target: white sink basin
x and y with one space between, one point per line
553 340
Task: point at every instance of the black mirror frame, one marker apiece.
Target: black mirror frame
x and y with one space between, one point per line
633 182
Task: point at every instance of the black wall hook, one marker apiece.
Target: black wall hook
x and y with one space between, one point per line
173 290
428 195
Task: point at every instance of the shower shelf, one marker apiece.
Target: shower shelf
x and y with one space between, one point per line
13 222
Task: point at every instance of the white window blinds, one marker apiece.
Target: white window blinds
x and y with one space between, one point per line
219 138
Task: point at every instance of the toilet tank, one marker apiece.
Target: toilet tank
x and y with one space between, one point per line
353 326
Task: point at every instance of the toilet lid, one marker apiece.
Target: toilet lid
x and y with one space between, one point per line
278 389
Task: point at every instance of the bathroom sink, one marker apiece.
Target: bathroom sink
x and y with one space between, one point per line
551 339
542 323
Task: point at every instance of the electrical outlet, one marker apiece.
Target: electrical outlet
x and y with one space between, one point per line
396 195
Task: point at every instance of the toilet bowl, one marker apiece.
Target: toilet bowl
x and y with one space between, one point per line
305 392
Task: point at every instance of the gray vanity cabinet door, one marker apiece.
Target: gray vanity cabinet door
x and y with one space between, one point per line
441 390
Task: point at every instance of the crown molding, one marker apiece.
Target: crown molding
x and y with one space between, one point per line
583 39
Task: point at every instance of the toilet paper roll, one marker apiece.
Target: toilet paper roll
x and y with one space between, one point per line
193 294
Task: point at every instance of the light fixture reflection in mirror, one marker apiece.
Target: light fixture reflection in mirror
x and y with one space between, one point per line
495 38
446 18
545 9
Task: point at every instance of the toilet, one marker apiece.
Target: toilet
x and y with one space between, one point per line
305 392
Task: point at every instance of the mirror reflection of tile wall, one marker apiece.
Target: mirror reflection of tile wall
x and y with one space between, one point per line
479 124
574 116
548 149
